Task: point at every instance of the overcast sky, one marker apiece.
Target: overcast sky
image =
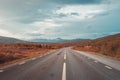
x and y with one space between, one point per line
68 19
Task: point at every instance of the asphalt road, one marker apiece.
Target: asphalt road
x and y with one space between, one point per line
64 64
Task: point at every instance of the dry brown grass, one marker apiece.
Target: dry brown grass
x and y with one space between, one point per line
108 46
10 53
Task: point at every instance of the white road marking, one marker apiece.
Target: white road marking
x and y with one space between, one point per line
22 63
108 67
33 58
96 61
64 69
65 56
64 72
1 70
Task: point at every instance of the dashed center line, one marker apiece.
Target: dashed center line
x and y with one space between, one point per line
108 67
1 70
65 56
64 72
64 69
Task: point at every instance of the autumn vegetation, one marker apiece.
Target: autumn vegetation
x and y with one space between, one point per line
19 51
108 46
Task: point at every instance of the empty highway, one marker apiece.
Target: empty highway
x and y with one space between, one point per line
63 64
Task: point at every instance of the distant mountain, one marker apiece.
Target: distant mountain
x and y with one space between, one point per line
56 40
9 40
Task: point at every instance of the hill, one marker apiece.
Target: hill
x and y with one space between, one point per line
9 40
109 45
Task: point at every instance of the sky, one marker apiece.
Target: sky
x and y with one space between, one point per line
67 19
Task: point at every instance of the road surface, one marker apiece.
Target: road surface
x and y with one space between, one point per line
64 64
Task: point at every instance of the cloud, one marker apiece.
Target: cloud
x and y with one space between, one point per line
47 23
5 33
8 34
79 9
35 33
90 35
80 12
61 15
74 13
30 19
78 1
89 26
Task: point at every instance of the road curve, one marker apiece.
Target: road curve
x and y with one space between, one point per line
64 64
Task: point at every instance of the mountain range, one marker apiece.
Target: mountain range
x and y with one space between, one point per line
14 40
56 40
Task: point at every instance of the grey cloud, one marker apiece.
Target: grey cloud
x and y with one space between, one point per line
103 14
78 1
35 34
27 9
62 15
29 12
89 26
76 14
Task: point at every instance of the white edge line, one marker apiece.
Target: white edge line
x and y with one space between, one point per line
108 67
22 63
96 61
1 70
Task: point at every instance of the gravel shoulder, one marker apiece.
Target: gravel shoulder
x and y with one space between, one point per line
113 63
